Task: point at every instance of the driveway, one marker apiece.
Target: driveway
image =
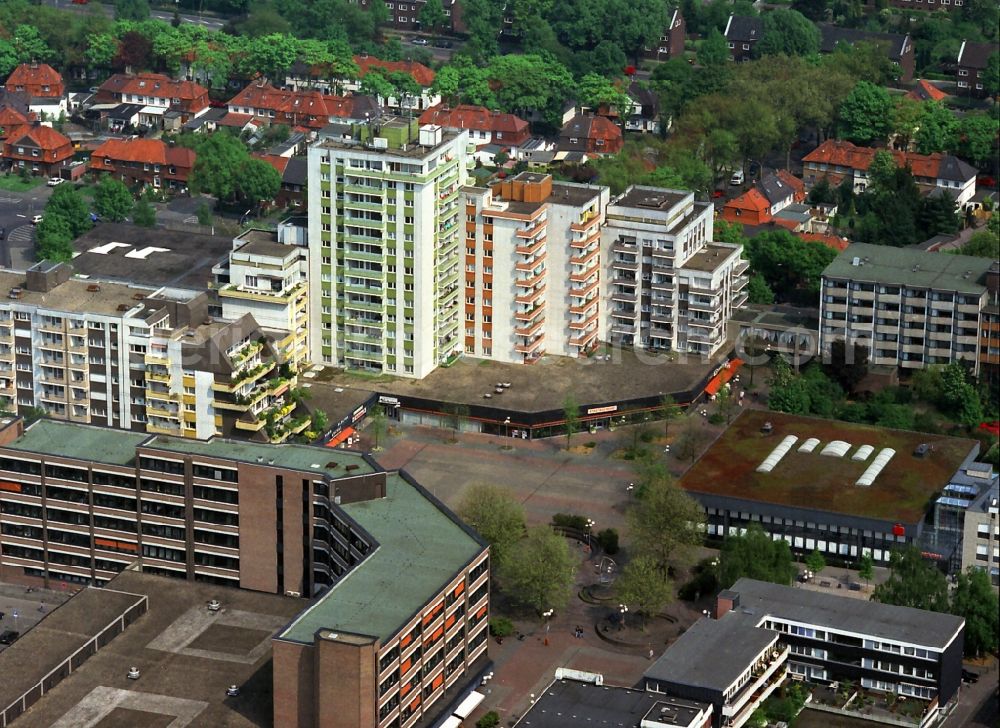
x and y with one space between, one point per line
16 211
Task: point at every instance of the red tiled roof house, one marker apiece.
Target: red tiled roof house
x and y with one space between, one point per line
166 103
750 208
39 80
485 126
40 149
590 134
311 109
144 162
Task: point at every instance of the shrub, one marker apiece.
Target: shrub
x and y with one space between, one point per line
608 539
490 720
590 445
569 520
501 627
646 436
716 418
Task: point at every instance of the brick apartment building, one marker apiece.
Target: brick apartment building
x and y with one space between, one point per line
940 173
405 16
39 149
671 41
590 134
912 308
403 587
973 59
140 162
742 33
165 102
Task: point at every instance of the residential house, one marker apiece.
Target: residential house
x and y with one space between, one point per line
766 199
166 103
590 134
140 162
644 115
484 126
40 149
43 86
781 188
742 32
898 48
293 171
926 91
671 41
836 159
302 76
14 110
972 61
309 109
750 208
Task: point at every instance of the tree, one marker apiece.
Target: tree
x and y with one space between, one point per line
571 413
688 443
257 182
866 567
531 82
29 45
320 421
991 77
379 14
143 213
938 214
815 10
134 50
759 291
54 239
664 522
866 113
112 200
539 571
982 244
642 585
66 202
432 16
131 10
975 600
976 138
936 129
669 411
713 51
959 397
596 91
913 582
204 213
726 403
461 81
495 515
815 561
847 366
8 58
379 424
220 157
791 267
788 33
755 555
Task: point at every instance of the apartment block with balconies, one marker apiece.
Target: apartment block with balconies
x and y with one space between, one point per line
910 308
384 246
668 287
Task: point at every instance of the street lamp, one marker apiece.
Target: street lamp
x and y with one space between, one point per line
590 526
546 615
623 610
629 488
506 427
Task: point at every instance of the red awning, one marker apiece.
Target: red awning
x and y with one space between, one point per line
725 374
340 437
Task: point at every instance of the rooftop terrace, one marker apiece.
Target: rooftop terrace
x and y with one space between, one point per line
420 549
902 491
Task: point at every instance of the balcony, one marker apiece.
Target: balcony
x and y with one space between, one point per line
584 275
617 327
624 264
531 281
584 339
530 346
582 308
530 266
625 297
529 314
531 247
586 257
530 329
621 246
586 239
584 291
583 322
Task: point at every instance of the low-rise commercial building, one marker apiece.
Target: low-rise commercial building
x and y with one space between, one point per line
669 286
911 308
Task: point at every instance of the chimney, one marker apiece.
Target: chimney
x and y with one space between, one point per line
727 601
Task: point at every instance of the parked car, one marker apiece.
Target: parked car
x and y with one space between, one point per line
738 177
36 219
442 43
969 676
53 181
419 41
8 637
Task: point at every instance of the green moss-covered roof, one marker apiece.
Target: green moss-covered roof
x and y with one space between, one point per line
294 457
908 267
420 549
83 442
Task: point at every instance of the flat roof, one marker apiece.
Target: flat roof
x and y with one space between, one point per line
73 296
901 492
149 256
712 653
710 258
777 316
420 549
910 267
230 647
650 198
886 621
571 704
574 195
268 248
543 385
80 442
295 457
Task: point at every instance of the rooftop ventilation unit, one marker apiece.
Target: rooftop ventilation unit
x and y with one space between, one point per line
777 453
880 461
836 449
809 445
863 452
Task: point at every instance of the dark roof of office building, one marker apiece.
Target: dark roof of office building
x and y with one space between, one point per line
879 621
712 654
572 703
910 267
149 256
81 442
421 547
900 493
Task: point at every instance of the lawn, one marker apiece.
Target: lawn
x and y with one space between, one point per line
900 492
14 183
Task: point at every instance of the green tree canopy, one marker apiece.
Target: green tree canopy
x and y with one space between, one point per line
642 587
432 16
936 129
54 239
664 522
495 515
975 600
67 203
143 213
112 200
755 555
539 570
913 582
527 82
131 9
866 113
791 267
789 33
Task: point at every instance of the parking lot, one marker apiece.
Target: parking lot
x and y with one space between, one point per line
22 609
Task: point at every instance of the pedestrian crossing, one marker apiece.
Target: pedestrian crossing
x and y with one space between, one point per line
22 234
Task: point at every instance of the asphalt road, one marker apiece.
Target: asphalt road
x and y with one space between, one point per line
16 210
209 22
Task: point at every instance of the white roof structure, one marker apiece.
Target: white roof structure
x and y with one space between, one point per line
776 454
809 445
863 452
836 449
872 471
